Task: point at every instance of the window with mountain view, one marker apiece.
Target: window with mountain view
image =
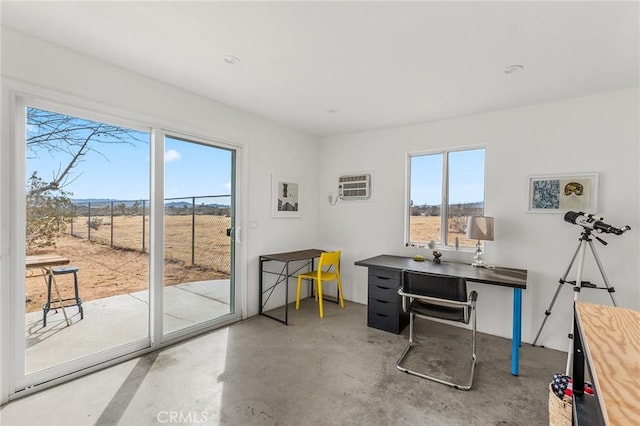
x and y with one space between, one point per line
444 189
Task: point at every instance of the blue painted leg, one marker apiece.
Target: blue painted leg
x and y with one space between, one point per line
517 331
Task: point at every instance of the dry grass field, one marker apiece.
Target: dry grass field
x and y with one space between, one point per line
107 271
211 244
425 228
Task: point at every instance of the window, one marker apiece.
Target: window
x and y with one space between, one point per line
444 189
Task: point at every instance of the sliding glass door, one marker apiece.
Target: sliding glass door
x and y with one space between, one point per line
86 266
198 234
124 240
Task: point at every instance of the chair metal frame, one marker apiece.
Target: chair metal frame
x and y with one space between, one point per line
469 309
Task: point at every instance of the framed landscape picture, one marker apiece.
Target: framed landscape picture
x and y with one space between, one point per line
286 197
562 193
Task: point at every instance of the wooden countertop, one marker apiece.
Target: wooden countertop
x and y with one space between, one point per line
611 342
45 260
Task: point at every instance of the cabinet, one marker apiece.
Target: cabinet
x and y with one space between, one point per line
385 305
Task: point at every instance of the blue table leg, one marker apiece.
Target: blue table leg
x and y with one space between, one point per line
517 331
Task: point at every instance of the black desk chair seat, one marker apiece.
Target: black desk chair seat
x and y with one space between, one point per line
442 297
76 300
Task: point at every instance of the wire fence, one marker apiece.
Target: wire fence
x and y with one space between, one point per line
196 229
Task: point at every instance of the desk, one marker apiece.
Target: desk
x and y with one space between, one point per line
45 262
505 277
607 339
283 276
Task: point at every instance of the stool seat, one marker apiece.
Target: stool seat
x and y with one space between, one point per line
65 270
62 303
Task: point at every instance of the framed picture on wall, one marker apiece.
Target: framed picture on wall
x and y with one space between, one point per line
562 193
286 197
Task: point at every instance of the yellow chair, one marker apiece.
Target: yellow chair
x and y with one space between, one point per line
328 270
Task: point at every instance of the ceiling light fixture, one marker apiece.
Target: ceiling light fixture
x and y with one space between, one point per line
513 69
231 60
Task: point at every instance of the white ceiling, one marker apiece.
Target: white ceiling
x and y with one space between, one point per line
377 64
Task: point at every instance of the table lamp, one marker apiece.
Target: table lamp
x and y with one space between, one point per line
480 228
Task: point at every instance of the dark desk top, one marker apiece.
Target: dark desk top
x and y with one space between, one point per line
507 277
293 255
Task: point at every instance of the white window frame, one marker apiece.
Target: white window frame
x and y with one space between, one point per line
444 201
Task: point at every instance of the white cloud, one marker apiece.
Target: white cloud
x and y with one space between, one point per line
227 186
171 155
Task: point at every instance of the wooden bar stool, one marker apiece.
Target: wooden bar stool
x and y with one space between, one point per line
55 304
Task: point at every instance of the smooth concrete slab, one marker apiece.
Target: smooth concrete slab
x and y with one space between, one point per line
331 371
118 320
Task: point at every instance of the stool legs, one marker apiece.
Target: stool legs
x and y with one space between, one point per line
77 297
60 302
45 307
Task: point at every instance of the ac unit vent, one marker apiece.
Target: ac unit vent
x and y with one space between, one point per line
355 187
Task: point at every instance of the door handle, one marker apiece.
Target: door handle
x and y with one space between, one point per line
236 233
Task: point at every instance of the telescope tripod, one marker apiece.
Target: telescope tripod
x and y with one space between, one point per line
578 284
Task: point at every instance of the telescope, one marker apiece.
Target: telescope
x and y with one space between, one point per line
591 221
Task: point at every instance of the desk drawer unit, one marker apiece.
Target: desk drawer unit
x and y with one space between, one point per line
384 310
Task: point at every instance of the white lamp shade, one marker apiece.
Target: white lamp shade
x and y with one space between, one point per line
480 228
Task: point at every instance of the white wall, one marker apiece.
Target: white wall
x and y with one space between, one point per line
597 133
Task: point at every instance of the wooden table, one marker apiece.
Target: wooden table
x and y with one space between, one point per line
45 262
607 339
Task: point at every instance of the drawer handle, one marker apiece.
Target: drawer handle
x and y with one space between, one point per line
381 301
382 278
382 315
383 288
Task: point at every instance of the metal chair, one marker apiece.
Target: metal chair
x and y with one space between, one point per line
437 296
328 261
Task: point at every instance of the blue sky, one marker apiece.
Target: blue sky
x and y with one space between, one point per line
466 178
122 171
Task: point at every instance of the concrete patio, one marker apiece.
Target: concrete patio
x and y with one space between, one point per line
117 320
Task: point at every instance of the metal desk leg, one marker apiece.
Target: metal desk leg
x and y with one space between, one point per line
260 285
286 298
517 331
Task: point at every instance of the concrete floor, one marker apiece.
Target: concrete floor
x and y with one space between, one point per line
118 320
334 371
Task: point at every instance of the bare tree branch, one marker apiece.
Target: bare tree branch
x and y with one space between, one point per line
56 133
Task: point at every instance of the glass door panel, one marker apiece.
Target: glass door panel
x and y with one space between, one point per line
198 234
86 239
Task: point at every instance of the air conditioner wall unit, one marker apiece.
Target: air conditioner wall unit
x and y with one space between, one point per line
354 187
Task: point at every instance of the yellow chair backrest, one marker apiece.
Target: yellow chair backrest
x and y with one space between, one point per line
328 259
